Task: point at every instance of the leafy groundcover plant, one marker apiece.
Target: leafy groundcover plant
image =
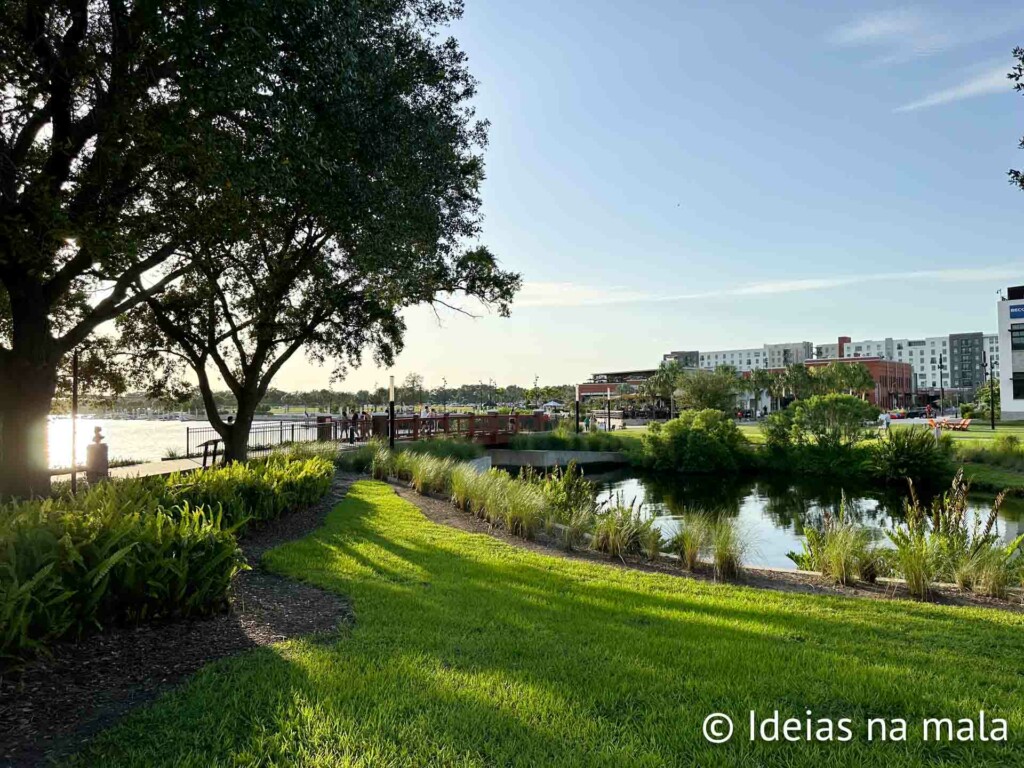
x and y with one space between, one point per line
135 550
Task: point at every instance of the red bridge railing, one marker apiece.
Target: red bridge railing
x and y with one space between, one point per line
489 429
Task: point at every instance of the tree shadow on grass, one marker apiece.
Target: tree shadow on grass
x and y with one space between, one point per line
470 651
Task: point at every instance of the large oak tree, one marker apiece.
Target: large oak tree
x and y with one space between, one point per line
124 129
323 257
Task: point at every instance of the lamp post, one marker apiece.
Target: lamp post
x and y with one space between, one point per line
608 411
991 391
391 413
74 421
942 386
577 409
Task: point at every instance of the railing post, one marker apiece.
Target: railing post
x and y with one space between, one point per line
469 429
444 423
415 426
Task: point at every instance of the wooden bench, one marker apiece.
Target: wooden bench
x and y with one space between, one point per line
207 447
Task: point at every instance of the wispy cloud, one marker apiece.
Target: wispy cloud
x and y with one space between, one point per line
905 34
901 26
544 294
991 81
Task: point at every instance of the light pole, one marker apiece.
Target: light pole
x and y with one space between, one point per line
391 413
444 394
942 386
577 409
608 412
74 421
991 391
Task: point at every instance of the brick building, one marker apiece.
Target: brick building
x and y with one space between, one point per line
894 380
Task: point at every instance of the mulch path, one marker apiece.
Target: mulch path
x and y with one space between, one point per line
441 511
51 706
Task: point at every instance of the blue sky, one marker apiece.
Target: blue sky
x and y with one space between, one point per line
709 175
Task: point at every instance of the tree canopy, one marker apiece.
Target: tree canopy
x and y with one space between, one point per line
324 257
703 390
123 125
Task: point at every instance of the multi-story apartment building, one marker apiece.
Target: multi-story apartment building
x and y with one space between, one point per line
687 359
955 362
766 356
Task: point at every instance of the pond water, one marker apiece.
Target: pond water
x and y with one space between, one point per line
773 513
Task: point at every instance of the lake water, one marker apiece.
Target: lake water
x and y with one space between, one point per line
128 439
772 515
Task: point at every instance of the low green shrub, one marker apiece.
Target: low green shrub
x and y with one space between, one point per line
1005 452
444 448
257 491
137 549
358 460
562 439
777 428
914 453
831 421
705 441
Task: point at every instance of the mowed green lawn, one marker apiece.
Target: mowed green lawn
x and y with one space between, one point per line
470 652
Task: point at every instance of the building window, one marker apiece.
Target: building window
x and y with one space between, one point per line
1018 386
1016 338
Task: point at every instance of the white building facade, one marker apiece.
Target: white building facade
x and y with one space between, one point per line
1011 352
937 361
766 356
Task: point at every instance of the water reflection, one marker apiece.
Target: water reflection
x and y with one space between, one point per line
773 512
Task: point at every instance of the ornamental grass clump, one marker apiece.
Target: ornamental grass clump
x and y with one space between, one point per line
728 548
382 464
431 474
619 530
652 542
947 542
571 503
841 550
691 539
461 482
522 508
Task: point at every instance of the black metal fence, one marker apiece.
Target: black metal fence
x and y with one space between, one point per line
266 435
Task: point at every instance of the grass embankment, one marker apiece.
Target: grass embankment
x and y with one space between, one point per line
468 651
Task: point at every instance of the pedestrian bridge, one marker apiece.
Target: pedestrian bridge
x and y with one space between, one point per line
485 429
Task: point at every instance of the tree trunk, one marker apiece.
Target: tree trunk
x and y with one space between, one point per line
26 393
236 435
